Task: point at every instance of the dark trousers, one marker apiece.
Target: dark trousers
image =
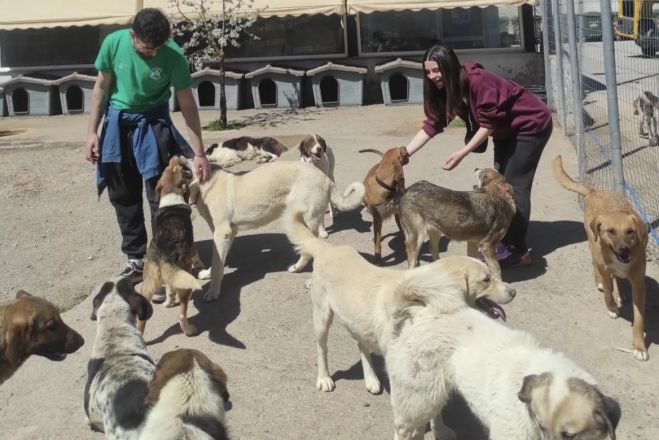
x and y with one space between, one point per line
125 184
517 159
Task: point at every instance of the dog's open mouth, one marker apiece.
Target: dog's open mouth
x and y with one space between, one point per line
52 355
493 309
316 156
624 256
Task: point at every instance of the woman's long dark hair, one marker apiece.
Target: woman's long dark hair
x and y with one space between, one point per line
453 99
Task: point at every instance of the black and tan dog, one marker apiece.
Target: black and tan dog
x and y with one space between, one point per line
31 325
172 251
480 217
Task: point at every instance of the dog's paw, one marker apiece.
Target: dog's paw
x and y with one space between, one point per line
640 355
211 295
188 329
373 385
294 268
322 233
442 432
325 384
614 314
600 287
170 302
204 274
307 284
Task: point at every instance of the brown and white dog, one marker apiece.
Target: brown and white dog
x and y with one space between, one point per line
172 250
186 398
314 150
31 325
618 238
385 184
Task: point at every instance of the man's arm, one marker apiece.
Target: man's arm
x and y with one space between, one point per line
191 116
99 100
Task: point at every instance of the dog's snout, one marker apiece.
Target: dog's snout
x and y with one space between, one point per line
511 290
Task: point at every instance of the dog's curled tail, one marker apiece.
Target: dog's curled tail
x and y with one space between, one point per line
350 199
177 278
372 150
302 238
566 181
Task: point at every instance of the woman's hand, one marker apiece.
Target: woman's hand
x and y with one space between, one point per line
455 159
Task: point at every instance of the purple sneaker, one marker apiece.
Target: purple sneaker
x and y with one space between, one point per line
502 252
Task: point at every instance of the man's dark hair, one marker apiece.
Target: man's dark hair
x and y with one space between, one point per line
151 26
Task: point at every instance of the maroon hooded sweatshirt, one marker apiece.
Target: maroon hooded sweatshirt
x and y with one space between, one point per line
499 104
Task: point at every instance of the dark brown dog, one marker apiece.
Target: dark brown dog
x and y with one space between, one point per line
385 184
31 325
618 238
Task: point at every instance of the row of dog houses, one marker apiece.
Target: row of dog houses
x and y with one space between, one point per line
333 84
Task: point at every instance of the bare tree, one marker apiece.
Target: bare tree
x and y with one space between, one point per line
208 31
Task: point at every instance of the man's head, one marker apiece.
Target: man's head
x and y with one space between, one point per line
150 31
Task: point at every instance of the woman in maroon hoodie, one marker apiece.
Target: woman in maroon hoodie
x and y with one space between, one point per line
519 123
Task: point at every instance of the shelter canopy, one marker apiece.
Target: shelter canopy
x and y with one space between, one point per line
264 8
367 6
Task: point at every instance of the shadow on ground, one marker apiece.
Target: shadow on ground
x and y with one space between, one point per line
252 256
651 309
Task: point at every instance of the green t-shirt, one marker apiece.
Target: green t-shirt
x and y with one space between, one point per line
141 84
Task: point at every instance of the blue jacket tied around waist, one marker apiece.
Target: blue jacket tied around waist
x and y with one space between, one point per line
154 140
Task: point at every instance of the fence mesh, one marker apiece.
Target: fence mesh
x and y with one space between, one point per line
584 105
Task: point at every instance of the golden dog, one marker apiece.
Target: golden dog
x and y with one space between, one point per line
618 238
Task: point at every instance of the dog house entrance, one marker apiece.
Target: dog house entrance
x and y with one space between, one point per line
329 90
74 101
21 101
399 88
268 93
206 94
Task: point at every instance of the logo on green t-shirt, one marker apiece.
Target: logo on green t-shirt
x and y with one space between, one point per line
156 73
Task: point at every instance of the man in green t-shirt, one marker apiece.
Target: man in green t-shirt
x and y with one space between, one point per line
136 70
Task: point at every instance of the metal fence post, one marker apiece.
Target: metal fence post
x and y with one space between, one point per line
562 110
545 53
577 100
612 95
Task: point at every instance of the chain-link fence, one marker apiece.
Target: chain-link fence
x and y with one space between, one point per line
604 87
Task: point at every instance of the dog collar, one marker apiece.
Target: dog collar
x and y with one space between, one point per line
385 185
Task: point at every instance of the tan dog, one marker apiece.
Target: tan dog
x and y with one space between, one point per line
618 238
385 183
370 299
31 325
172 251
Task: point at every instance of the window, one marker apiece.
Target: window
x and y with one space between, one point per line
305 35
49 47
460 28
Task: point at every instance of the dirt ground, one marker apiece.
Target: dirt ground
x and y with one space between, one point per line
58 240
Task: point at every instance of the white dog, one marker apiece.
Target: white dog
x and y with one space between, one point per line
517 389
368 298
314 150
233 202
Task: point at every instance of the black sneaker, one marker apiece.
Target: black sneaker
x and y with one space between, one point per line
132 271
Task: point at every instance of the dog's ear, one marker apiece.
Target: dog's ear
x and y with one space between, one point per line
17 339
508 189
640 227
610 416
22 294
528 385
595 225
404 155
219 378
140 306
